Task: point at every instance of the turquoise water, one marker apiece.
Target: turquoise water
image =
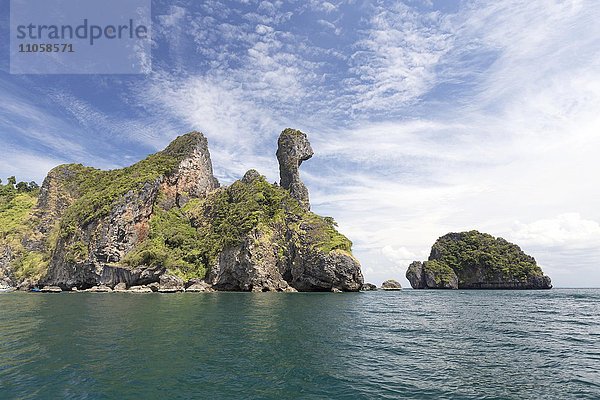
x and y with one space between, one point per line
379 345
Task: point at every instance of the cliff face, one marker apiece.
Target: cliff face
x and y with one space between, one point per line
473 260
166 219
103 215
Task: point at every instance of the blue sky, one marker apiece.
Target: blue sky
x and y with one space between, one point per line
425 116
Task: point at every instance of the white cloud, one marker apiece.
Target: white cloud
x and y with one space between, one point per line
263 29
30 121
34 139
395 63
400 256
154 132
173 18
215 106
566 246
235 126
567 230
322 6
329 25
26 165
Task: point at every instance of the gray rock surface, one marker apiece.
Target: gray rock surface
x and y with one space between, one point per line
194 176
170 284
139 289
292 149
415 276
199 287
26 285
250 176
4 287
5 259
249 266
366 287
391 284
87 275
421 276
319 271
259 265
120 287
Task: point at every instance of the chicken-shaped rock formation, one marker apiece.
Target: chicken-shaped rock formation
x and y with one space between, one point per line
293 148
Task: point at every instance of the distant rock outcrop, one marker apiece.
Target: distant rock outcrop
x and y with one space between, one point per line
473 260
391 284
367 287
293 148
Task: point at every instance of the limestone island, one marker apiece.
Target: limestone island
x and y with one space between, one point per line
474 260
391 284
165 224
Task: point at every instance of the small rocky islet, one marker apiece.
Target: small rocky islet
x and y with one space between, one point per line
474 260
165 224
391 284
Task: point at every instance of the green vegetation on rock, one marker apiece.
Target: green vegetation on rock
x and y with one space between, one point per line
17 200
472 250
442 273
29 264
99 190
15 211
187 241
13 188
474 260
172 243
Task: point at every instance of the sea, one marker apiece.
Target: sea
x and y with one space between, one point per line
410 344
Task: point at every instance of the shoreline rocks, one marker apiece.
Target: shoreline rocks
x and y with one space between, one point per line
120 288
170 284
139 289
51 289
199 287
99 289
367 287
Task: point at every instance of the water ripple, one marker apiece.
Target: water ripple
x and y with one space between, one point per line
409 345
